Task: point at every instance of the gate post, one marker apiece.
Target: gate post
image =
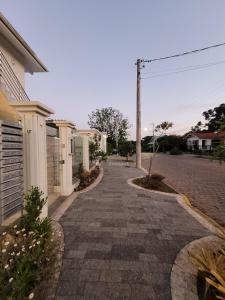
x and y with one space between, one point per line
33 117
65 135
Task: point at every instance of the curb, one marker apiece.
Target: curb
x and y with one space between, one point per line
129 181
95 183
201 217
184 273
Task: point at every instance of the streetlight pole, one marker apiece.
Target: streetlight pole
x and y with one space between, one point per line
138 115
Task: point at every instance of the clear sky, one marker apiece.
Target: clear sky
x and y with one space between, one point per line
90 47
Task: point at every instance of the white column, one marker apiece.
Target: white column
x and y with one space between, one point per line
65 136
86 163
33 117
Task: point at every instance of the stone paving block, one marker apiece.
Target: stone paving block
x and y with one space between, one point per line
120 243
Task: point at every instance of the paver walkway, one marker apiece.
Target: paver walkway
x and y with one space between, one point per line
202 180
121 242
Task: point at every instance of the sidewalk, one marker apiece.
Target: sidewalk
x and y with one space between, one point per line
121 242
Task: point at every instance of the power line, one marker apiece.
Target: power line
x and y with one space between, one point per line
184 53
182 70
187 67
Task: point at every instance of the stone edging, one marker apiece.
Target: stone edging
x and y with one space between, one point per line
129 181
184 273
95 183
69 200
201 217
205 221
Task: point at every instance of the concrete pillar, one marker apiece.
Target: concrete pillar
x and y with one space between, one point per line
33 117
65 135
86 163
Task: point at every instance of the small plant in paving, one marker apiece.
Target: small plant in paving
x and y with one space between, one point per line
28 252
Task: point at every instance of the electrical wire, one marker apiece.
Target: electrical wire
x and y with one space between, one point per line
191 68
184 53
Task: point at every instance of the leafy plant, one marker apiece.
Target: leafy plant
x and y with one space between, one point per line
33 204
212 264
28 251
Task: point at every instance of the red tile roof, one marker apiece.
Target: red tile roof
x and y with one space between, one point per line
209 135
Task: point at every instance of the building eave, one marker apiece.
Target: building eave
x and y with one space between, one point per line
31 62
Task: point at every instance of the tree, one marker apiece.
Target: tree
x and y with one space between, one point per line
112 122
220 149
213 118
169 142
160 129
126 148
94 147
145 143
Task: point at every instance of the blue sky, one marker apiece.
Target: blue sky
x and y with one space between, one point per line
90 47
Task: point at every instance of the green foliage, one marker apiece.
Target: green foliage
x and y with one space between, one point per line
109 149
33 204
219 152
213 118
28 252
175 151
168 142
94 148
145 147
102 155
126 149
112 122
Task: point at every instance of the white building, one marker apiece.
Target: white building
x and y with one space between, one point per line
204 141
32 153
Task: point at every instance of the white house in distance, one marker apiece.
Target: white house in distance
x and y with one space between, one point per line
204 141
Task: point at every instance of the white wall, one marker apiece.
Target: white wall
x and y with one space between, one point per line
14 60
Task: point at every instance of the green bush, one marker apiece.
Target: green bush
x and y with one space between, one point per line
102 155
28 252
175 151
158 177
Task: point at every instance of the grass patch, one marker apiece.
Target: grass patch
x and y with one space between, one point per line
154 184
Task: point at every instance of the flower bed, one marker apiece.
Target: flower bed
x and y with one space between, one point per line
87 178
28 252
154 183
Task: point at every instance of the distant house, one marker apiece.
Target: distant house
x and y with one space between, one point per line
204 141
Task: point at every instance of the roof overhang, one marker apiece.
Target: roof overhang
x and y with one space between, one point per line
31 61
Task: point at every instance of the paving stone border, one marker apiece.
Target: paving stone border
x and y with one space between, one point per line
184 274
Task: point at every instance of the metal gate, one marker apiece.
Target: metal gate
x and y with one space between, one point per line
11 169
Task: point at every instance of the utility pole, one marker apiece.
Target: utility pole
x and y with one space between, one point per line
138 116
153 136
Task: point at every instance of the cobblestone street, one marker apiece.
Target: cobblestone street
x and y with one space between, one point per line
202 180
121 242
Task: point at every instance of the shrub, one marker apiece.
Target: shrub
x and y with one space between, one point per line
175 151
211 264
28 252
158 177
102 155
